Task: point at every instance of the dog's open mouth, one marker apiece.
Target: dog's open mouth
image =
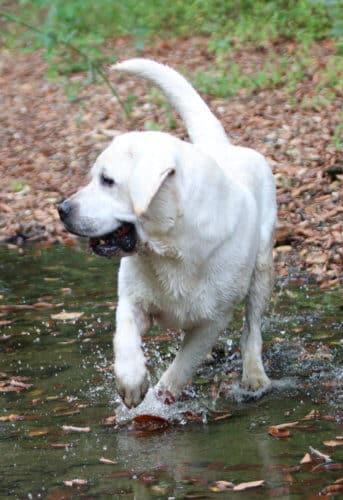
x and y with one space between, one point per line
120 242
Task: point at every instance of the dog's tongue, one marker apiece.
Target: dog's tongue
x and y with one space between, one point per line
121 241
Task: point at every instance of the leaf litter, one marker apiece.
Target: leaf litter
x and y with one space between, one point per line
15 384
298 140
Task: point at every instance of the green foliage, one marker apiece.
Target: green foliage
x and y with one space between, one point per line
225 80
337 140
88 23
73 33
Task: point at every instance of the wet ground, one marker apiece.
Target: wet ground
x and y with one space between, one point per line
61 420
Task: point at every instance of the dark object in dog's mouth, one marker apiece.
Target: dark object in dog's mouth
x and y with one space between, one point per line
120 242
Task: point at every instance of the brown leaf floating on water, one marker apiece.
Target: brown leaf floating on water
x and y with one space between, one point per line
149 423
14 384
107 461
248 485
38 432
332 488
313 415
279 433
76 482
222 486
307 459
110 420
5 322
285 425
73 428
333 443
11 418
67 316
220 415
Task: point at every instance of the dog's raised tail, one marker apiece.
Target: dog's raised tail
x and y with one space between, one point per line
201 124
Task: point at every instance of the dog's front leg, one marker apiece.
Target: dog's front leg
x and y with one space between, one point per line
195 345
129 365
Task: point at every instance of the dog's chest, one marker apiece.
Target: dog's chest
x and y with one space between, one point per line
179 295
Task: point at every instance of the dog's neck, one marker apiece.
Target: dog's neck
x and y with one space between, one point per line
170 231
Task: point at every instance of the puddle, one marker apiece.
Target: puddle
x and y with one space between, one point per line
56 373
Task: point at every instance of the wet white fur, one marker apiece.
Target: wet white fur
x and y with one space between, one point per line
205 213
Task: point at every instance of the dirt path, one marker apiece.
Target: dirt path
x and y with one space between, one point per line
48 144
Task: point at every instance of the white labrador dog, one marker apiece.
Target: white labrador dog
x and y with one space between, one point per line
193 223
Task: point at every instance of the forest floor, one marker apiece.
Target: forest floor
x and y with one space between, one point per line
49 141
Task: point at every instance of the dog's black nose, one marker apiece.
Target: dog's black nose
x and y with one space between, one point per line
64 209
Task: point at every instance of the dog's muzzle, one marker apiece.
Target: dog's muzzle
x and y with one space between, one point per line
120 242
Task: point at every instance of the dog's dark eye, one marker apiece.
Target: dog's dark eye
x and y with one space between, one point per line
106 181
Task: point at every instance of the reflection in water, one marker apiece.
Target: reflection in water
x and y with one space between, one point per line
69 364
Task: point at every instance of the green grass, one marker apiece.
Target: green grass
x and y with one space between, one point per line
337 140
93 21
225 79
73 34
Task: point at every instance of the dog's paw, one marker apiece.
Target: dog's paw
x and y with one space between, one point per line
164 395
255 380
132 385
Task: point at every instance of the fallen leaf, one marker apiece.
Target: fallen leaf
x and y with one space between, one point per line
110 420
248 485
333 443
18 382
67 316
107 461
307 459
217 416
72 428
279 433
143 424
332 488
45 305
5 322
11 418
222 485
76 482
313 415
324 467
19 307
14 384
38 432
285 425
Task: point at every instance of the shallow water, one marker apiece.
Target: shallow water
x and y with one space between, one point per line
69 364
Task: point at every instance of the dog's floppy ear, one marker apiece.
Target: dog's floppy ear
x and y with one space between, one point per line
145 183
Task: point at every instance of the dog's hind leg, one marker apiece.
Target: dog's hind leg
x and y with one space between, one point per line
195 345
254 376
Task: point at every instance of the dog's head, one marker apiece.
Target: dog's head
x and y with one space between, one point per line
132 191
